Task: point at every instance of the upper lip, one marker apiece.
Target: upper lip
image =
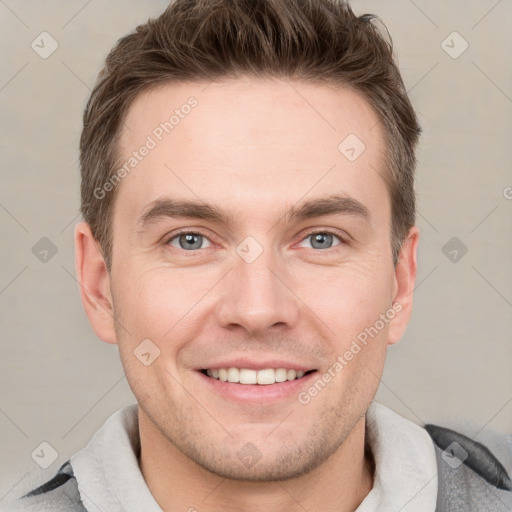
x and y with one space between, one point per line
253 364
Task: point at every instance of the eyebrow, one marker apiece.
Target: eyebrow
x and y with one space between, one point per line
171 208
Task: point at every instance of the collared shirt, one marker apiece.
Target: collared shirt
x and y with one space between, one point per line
405 464
109 477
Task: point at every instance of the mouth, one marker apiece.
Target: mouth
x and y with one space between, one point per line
247 376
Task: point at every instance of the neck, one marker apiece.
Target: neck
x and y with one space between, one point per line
177 483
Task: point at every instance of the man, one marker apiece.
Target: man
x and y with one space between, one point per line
249 243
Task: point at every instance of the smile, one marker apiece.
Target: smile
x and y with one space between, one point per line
248 376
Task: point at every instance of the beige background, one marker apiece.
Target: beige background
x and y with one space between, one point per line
59 383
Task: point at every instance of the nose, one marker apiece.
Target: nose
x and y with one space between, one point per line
256 296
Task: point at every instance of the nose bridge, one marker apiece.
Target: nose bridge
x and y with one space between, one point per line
254 297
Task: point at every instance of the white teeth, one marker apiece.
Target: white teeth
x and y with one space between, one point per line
233 375
281 375
266 376
262 377
247 376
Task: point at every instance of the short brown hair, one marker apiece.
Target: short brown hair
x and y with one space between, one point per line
317 41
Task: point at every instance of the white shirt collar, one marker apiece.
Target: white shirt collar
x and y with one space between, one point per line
107 470
405 464
110 480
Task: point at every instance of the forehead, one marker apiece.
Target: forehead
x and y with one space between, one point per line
250 142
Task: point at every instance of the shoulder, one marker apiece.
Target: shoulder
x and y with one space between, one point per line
58 494
476 456
470 476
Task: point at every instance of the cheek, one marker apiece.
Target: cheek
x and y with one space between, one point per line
154 302
154 308
348 298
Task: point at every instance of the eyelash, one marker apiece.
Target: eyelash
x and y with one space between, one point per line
307 235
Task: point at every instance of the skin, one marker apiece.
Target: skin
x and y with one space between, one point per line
253 148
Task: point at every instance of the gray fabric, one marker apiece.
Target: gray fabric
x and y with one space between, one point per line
461 448
460 489
50 496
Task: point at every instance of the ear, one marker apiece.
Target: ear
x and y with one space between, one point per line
404 280
94 281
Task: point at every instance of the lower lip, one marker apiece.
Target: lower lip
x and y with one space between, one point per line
258 393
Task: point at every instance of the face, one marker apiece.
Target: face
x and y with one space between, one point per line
252 234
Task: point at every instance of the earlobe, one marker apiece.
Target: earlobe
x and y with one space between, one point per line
94 281
405 278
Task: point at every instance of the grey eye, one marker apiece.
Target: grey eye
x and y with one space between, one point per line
321 240
189 241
